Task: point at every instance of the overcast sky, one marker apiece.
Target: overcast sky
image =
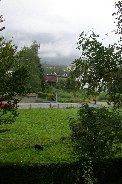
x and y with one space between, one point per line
56 24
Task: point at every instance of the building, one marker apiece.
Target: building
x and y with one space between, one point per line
51 79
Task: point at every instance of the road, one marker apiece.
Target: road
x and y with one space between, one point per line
57 105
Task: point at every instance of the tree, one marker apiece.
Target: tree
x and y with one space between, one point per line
99 67
12 81
28 57
1 20
72 84
118 14
96 133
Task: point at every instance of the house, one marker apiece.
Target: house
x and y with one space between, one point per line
51 79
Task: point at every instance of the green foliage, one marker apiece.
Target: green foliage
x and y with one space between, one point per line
1 20
102 97
49 128
47 96
108 172
12 80
61 84
68 96
99 67
42 95
28 57
72 84
118 17
88 173
96 133
68 84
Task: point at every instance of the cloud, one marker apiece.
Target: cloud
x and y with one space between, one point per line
57 15
51 45
56 24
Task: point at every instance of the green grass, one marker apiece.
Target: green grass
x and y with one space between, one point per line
47 127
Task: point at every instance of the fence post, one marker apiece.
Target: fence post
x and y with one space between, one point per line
56 97
36 97
50 105
30 106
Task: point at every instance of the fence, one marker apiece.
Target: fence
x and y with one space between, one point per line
57 105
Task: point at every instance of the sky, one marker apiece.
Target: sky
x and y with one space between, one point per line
57 24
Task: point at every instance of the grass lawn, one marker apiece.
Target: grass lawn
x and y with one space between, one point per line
47 127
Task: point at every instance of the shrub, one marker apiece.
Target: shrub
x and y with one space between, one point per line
51 96
102 97
47 96
96 133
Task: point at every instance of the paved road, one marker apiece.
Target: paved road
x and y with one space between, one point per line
57 105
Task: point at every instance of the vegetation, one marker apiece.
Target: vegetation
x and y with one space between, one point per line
69 84
21 163
70 96
1 20
28 57
99 68
94 133
118 17
46 127
97 132
12 81
47 96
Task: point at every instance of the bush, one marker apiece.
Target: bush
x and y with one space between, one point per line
102 97
41 95
47 96
96 133
51 96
